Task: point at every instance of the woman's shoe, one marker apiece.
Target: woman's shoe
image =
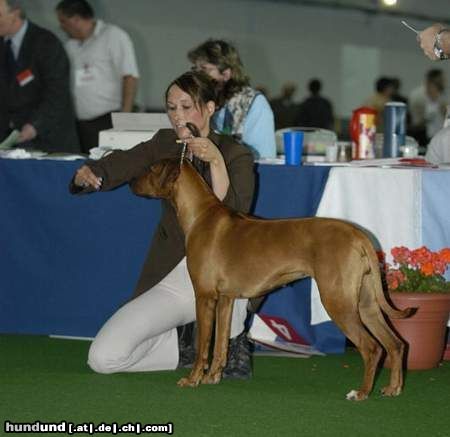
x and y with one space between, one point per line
239 363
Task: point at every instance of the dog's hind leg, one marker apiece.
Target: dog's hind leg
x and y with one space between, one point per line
222 336
205 307
345 314
375 322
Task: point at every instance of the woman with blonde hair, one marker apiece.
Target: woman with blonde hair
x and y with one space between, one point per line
246 113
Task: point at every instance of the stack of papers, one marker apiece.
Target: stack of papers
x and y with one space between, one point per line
61 157
100 152
21 154
38 154
273 161
384 163
393 162
326 163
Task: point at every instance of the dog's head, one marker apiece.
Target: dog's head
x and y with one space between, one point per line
158 181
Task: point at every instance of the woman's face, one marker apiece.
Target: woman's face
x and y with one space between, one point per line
181 109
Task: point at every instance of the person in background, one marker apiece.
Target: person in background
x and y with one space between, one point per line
438 150
263 90
104 69
284 107
315 111
427 105
384 90
34 84
398 97
246 114
142 335
435 42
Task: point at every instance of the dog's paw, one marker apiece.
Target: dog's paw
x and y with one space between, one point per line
356 395
391 391
212 378
188 382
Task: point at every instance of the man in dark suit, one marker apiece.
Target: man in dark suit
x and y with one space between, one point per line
34 84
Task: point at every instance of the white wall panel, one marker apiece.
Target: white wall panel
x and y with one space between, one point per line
278 41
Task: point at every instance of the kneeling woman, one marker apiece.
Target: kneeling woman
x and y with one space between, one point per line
142 335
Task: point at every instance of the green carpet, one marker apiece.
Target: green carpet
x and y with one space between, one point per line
47 380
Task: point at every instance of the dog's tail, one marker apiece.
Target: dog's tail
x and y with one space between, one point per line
373 277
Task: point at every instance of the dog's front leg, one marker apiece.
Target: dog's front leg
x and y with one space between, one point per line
223 325
205 307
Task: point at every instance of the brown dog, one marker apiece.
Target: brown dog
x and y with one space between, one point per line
272 253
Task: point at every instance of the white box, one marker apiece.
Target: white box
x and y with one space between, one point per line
135 121
130 128
121 139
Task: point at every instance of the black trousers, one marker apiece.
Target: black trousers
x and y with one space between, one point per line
88 131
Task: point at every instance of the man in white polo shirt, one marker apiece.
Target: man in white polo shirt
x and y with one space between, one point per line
104 69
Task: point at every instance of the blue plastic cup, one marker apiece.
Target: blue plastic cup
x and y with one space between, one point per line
293 147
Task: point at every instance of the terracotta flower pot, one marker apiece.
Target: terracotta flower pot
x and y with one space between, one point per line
424 332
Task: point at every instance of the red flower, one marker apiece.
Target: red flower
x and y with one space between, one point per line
418 270
427 269
420 256
394 278
401 255
439 263
445 254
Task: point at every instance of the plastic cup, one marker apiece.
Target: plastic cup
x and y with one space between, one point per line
293 147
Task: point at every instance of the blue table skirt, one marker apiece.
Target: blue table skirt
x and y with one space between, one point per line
68 262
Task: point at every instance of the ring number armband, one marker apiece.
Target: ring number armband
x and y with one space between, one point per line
438 50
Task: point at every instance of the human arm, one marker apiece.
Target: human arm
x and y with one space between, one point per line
427 40
438 150
129 87
122 166
52 71
241 189
231 168
124 61
259 128
27 133
207 151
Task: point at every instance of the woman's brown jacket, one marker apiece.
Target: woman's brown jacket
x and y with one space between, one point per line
167 247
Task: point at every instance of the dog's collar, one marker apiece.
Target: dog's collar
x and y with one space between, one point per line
183 153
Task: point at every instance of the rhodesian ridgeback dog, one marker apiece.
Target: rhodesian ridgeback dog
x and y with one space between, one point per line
272 253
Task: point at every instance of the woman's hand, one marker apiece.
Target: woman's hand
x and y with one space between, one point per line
27 133
84 177
427 39
204 149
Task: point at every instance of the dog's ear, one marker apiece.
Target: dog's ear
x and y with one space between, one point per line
169 172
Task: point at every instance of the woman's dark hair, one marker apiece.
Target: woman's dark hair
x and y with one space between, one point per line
199 86
70 8
223 55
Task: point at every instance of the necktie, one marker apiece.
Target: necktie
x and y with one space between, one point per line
11 64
